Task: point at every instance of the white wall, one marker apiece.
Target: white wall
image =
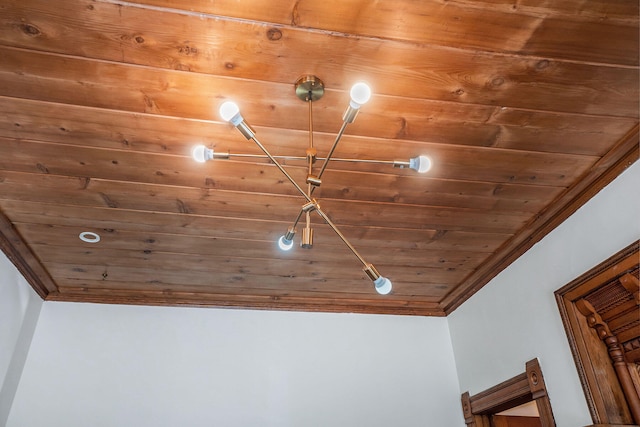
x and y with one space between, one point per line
515 317
19 309
103 365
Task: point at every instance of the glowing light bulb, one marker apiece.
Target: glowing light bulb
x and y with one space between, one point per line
201 153
360 93
421 164
383 285
228 110
284 243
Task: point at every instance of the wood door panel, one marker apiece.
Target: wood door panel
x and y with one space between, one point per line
515 421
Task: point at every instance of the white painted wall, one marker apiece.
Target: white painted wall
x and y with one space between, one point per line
515 317
100 365
19 309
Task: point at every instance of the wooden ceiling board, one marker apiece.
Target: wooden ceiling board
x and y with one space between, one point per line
109 220
526 109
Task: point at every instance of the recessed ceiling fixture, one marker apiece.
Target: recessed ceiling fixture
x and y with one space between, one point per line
309 89
89 237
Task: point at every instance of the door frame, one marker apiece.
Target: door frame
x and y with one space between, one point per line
525 387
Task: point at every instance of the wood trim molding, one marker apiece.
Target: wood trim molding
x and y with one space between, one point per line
247 301
525 387
613 163
607 425
599 353
24 259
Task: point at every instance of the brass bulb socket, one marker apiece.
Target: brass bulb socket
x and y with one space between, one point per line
314 180
246 130
371 272
307 238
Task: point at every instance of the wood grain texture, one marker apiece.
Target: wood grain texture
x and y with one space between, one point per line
599 357
526 110
490 26
479 410
23 258
510 421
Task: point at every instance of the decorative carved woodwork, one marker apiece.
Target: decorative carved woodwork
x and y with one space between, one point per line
526 387
600 313
630 283
616 352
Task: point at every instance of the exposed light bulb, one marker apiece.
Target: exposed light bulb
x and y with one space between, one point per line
383 285
228 110
360 93
201 153
421 164
284 243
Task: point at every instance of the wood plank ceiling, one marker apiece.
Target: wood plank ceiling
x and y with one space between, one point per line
526 108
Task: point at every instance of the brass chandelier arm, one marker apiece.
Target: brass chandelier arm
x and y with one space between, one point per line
310 200
342 237
312 188
301 158
279 166
297 220
335 144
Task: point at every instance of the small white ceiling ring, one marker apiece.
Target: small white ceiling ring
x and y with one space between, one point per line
89 237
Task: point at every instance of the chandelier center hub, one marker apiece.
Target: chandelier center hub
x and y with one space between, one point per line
309 88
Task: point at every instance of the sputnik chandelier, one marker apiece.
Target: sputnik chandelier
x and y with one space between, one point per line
310 88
